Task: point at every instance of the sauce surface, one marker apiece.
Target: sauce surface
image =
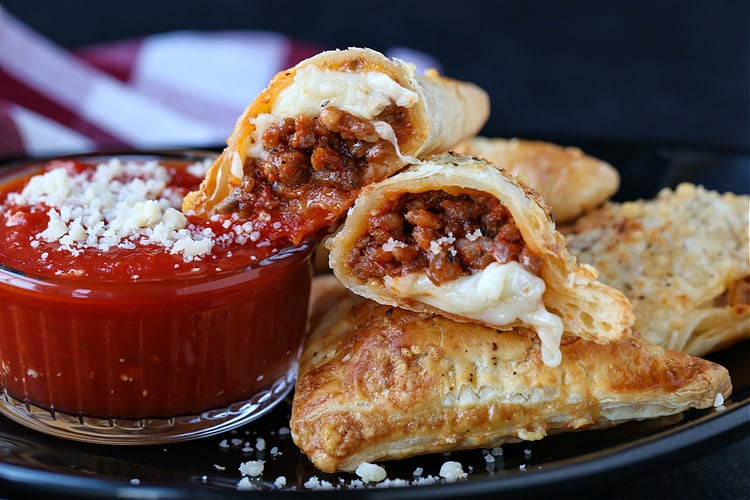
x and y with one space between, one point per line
235 242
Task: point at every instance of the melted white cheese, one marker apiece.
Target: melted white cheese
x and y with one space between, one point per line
499 295
363 94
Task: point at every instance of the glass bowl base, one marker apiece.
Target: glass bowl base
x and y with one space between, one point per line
145 431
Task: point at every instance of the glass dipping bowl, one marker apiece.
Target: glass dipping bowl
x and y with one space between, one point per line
155 361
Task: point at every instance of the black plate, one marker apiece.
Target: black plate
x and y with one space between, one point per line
36 464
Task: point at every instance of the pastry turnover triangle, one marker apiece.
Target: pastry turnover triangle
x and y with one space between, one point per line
683 260
507 265
327 126
378 383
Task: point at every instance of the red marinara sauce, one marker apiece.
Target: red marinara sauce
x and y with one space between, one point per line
237 242
140 321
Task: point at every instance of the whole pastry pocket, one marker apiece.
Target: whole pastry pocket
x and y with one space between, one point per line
302 150
682 258
379 383
460 237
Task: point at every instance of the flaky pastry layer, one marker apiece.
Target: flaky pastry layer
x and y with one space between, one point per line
378 383
683 260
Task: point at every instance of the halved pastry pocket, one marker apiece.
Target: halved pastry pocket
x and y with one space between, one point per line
460 237
322 130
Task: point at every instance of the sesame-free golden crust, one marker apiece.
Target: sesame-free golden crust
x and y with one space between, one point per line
378 383
586 306
447 112
683 260
570 181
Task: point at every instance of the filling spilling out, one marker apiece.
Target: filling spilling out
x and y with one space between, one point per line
462 254
443 235
315 166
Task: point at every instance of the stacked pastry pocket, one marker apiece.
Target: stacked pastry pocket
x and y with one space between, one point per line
458 319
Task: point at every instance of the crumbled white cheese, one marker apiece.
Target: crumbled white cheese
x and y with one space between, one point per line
370 473
119 204
315 483
424 481
475 235
452 471
391 245
253 468
355 484
438 245
393 483
719 401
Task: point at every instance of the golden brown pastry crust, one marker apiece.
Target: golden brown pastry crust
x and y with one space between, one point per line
570 181
682 258
378 383
586 306
447 111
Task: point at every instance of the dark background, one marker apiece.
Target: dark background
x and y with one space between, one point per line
659 73
666 72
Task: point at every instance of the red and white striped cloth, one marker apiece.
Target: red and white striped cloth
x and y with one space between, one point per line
176 89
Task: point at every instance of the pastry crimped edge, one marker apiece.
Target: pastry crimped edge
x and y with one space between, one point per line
570 181
380 383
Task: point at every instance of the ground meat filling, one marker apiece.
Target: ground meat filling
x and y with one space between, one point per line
332 151
443 235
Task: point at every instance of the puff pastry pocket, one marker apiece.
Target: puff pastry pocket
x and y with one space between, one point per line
683 259
460 237
321 130
379 383
570 181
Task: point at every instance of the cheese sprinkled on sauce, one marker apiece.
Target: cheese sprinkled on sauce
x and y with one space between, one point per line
117 204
